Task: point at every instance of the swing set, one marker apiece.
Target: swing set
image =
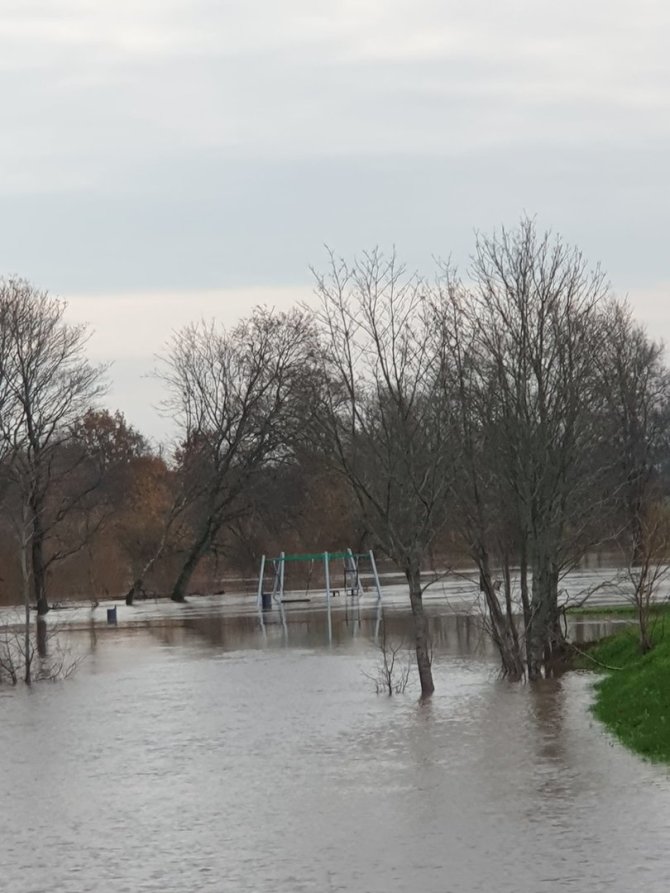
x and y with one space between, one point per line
351 577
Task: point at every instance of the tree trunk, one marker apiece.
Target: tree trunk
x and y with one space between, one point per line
638 550
25 579
646 643
525 597
537 631
643 603
138 583
421 634
132 592
517 668
503 631
637 531
197 551
545 637
42 637
37 554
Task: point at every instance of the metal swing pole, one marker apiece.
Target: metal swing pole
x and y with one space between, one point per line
353 589
375 575
259 596
351 567
378 587
327 578
282 565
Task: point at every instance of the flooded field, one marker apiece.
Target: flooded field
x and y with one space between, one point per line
196 749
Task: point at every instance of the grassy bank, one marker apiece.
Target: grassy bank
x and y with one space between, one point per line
633 698
615 610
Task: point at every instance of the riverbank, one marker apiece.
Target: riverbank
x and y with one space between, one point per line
633 699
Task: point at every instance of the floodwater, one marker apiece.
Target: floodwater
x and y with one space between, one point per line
196 751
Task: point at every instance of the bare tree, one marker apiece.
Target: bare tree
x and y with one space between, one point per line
644 576
635 384
393 669
34 656
536 313
382 418
47 384
238 397
483 502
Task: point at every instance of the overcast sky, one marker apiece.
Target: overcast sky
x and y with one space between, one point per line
166 159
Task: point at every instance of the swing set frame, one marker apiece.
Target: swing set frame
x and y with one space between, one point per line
352 584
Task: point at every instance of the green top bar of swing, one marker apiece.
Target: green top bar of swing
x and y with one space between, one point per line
315 556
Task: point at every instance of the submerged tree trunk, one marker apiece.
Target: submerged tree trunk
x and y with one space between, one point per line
198 549
138 583
525 598
544 633
38 569
25 579
517 666
42 637
134 590
421 633
502 626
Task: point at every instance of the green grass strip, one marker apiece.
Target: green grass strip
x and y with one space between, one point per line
618 610
633 700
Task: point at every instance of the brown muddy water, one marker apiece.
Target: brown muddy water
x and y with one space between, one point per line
195 751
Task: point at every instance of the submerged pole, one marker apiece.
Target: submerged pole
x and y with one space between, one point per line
261 576
327 577
259 595
351 564
375 575
378 624
282 565
378 587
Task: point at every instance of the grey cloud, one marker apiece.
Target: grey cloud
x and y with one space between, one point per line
217 222
126 80
200 144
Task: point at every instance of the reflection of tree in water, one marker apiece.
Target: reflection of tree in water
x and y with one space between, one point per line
547 710
522 732
92 635
582 631
451 633
42 638
547 705
461 634
353 614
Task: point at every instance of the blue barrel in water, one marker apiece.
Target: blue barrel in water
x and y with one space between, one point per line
111 615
